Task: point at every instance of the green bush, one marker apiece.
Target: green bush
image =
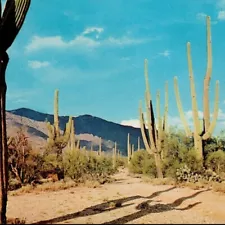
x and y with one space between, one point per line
80 165
121 161
216 161
142 163
75 164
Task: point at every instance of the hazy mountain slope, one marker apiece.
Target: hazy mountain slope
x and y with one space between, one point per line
87 128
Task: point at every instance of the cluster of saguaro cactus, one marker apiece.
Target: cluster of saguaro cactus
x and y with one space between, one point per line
11 21
154 134
58 140
202 128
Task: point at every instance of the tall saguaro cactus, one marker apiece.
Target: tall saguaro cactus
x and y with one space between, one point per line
129 153
204 128
56 139
154 135
11 21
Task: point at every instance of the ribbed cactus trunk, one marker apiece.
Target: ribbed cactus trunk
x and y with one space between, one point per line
154 136
72 137
203 130
11 22
138 149
128 149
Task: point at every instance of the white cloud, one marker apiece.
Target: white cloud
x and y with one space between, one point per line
131 122
38 64
81 41
123 41
166 53
93 29
38 43
221 15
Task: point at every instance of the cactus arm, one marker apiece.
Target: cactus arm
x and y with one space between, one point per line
78 144
159 136
51 133
143 130
215 113
72 136
180 108
207 78
12 20
193 92
132 150
149 109
128 148
67 131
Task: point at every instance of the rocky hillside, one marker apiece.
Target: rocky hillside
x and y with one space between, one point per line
87 128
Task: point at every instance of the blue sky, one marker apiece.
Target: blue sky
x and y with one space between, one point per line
93 51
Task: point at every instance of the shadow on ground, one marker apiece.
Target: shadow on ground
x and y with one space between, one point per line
143 208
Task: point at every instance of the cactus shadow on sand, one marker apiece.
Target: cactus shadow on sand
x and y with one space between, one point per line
119 203
145 209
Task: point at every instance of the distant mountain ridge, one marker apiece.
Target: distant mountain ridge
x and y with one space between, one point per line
110 132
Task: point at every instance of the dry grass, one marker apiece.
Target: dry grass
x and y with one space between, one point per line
219 187
53 186
215 186
159 181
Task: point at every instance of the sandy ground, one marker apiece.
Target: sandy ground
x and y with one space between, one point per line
136 202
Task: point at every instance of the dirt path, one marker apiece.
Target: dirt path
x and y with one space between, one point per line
140 203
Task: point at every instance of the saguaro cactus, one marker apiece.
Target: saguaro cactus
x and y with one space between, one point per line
57 140
138 149
114 155
204 128
153 137
11 21
100 146
128 148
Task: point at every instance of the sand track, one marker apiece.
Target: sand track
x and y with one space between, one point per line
133 202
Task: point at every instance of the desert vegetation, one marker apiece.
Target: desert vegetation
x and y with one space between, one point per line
171 155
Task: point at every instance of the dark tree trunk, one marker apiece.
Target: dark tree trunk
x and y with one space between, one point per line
3 139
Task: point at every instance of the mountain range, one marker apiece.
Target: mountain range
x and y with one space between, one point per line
88 129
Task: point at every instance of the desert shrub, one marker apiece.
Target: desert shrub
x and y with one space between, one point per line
121 161
80 165
24 162
192 161
185 174
50 161
14 184
142 163
75 164
216 161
